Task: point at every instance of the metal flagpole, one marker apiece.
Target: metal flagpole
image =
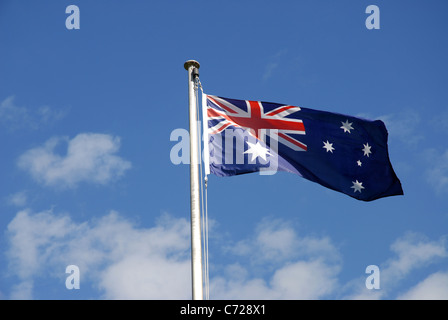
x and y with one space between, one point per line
196 247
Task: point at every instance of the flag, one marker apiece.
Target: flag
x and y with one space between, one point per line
343 153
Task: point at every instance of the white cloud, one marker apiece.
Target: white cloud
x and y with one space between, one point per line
31 245
90 157
31 239
22 291
147 277
279 242
434 287
318 277
123 260
412 251
302 279
296 267
126 261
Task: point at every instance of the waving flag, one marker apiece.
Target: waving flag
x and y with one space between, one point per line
340 152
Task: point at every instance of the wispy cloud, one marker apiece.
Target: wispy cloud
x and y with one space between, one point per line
90 157
440 121
16 117
437 172
273 64
269 70
18 199
404 127
12 114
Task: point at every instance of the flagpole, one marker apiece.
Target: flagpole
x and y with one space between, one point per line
192 67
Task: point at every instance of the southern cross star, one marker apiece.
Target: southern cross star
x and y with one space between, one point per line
347 126
366 149
328 146
357 186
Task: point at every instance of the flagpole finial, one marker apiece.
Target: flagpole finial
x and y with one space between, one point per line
190 63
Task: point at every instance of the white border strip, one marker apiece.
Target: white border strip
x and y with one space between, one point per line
206 155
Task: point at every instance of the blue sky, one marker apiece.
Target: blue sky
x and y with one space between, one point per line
86 176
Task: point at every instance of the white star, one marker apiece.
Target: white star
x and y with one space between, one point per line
366 149
347 126
328 146
257 150
357 186
359 163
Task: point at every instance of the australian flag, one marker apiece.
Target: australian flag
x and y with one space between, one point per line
340 152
